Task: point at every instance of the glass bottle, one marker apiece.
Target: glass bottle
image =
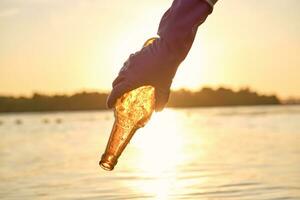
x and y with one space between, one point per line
132 111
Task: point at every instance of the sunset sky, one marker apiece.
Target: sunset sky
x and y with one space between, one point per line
66 46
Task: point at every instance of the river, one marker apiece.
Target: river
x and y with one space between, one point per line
241 153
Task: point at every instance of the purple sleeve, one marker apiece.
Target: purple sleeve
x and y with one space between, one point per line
179 24
177 30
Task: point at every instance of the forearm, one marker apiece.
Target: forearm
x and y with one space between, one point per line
179 25
177 31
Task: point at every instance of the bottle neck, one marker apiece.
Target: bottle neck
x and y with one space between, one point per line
119 138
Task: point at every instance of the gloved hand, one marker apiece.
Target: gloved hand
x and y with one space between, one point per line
141 69
157 63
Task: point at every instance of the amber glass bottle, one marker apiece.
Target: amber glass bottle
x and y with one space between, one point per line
132 111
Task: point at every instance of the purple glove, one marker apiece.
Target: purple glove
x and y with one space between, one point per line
157 63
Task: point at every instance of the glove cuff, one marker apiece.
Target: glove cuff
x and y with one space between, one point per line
211 2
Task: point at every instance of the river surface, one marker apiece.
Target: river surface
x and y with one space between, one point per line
234 153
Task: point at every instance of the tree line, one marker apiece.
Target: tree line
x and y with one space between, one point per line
97 101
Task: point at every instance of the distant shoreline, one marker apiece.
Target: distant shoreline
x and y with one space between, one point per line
93 101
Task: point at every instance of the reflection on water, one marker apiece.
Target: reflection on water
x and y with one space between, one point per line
204 153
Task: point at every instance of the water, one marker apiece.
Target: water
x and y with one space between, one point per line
203 153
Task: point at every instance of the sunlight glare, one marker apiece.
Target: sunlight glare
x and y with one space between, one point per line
160 143
161 152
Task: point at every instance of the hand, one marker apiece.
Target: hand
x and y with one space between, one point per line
138 72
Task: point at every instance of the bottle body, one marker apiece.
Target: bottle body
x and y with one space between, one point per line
132 111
